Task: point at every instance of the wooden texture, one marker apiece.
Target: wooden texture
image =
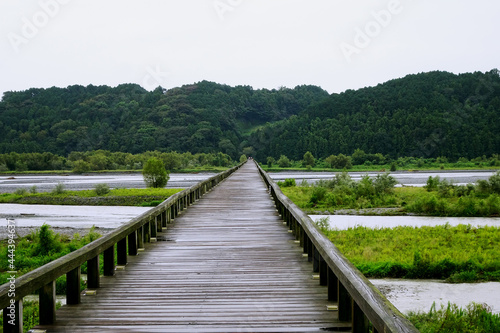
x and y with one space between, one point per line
226 264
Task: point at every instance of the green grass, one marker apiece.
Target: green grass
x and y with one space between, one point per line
475 318
116 197
459 254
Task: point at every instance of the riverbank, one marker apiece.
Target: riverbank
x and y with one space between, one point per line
116 197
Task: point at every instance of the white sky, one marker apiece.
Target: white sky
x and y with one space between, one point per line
262 43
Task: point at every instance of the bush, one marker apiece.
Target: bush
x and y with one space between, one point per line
81 166
59 189
318 195
101 189
270 162
21 191
289 182
284 162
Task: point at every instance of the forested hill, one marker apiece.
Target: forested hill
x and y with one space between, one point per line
424 115
203 117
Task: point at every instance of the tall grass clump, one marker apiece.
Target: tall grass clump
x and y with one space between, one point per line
475 318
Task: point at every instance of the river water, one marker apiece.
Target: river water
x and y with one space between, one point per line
406 295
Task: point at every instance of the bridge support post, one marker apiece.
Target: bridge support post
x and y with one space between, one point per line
360 323
47 299
140 237
132 244
93 273
315 261
323 271
147 234
158 223
121 252
333 285
109 261
16 311
73 278
310 250
164 219
153 228
345 304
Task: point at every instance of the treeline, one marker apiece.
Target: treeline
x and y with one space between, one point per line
101 160
361 159
426 115
205 117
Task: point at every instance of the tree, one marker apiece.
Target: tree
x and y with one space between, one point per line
154 173
308 159
243 158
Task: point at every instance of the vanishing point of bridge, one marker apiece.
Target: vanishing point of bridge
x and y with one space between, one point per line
238 260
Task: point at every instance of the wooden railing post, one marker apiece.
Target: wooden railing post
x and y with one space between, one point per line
323 271
360 323
159 227
73 279
13 317
333 286
345 304
315 260
140 237
153 228
121 252
47 304
93 273
132 244
164 219
147 233
109 261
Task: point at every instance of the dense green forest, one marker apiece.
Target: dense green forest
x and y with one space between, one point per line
201 118
425 115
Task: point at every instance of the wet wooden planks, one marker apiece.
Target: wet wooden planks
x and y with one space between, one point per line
227 264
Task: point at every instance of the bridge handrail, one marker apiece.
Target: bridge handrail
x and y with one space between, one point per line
40 277
384 316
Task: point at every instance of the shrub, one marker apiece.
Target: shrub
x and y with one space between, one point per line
270 162
318 194
21 191
101 189
81 166
59 189
33 189
284 162
289 182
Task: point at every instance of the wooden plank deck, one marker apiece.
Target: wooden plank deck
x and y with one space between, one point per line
226 264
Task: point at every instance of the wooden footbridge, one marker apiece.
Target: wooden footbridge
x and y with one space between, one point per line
241 258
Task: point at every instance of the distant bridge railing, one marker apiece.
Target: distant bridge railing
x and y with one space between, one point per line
128 239
359 301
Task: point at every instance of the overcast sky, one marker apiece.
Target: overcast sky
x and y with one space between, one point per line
335 44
